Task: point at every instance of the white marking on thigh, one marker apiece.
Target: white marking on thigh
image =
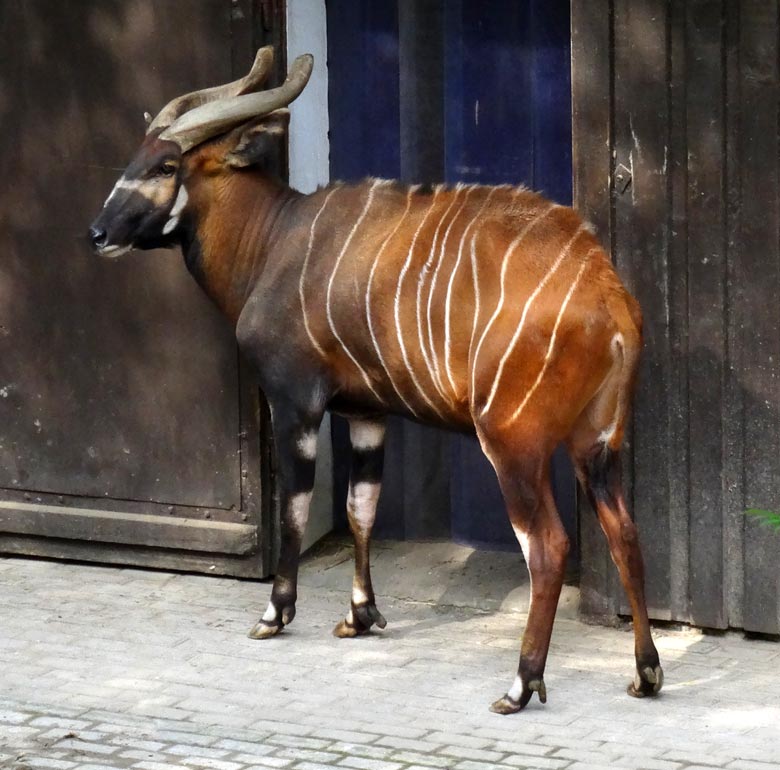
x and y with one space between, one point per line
362 501
307 445
516 690
606 435
534 294
447 302
437 372
369 199
368 301
366 435
314 342
550 347
397 304
270 613
499 307
299 510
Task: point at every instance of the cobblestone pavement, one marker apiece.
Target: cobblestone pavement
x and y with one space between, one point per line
120 668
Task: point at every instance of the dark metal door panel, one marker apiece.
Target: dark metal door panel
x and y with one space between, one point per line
120 385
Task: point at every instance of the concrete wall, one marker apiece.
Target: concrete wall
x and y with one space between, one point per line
309 168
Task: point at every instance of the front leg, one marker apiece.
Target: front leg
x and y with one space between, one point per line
295 439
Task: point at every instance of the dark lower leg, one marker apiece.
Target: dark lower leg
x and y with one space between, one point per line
364 485
545 547
606 495
296 447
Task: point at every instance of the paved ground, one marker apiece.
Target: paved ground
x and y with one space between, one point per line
119 668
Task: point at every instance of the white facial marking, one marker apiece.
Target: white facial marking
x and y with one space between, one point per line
366 435
397 304
301 293
178 206
307 445
362 501
534 294
502 291
358 222
170 225
123 184
516 690
551 346
299 510
181 201
368 301
270 613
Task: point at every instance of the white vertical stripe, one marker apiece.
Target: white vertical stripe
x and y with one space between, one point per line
448 300
368 300
314 342
397 304
420 281
499 307
348 240
434 357
534 294
550 347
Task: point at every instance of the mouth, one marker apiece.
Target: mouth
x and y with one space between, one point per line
114 252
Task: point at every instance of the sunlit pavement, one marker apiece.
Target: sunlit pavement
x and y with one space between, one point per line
120 668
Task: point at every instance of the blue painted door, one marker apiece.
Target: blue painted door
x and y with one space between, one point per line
501 113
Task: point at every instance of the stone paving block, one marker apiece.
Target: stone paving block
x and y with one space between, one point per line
187 750
408 743
481 755
360 750
458 740
362 763
418 758
298 741
540 763
309 755
85 747
345 735
211 763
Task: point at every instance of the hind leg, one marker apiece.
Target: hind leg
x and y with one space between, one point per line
365 477
525 484
598 470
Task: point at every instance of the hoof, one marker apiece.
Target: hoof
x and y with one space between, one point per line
344 630
263 630
359 621
271 623
506 705
647 682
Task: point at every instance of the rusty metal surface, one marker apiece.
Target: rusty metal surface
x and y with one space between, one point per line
120 384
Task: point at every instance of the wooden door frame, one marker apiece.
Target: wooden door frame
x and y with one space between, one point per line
163 534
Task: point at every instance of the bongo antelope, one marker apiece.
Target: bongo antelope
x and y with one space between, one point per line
487 310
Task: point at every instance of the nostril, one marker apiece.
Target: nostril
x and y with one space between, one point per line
98 236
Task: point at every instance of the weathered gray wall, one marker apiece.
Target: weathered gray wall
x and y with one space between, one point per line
682 98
